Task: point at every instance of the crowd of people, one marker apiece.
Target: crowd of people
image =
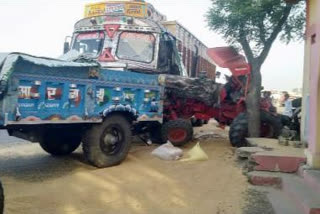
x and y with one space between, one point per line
284 101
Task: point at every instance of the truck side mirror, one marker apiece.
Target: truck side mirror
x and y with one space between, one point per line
163 54
66 45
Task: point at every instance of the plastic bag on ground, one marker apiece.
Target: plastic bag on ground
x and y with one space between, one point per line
168 152
196 154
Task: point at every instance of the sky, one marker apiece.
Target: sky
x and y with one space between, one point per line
39 27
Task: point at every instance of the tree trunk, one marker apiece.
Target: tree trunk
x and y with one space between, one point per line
253 101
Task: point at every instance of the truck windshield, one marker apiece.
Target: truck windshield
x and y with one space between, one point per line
136 46
89 43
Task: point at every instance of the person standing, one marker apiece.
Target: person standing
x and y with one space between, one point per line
287 105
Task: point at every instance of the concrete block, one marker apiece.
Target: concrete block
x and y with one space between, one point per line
273 144
246 152
265 179
277 162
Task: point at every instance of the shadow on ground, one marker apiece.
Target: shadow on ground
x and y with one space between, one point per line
25 161
35 182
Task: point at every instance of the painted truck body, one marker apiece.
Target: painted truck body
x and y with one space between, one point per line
49 91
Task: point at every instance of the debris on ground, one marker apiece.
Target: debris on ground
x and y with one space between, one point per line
246 152
168 152
257 202
287 142
203 135
196 154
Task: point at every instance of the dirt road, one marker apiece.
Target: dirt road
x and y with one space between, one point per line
38 183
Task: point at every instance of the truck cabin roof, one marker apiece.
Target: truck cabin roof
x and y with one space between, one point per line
133 15
123 23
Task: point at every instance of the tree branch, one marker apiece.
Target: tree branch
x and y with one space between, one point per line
262 33
274 34
246 46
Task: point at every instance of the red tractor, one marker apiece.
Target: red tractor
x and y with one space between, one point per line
228 110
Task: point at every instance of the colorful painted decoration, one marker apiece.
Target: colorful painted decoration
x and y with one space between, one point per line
133 9
103 96
53 93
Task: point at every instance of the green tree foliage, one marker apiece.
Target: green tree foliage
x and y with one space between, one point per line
253 26
256 22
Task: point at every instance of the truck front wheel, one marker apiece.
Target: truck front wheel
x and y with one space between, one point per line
58 143
108 144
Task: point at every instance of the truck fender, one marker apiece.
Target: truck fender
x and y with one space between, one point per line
121 109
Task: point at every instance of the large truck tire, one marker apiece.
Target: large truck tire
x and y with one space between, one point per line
108 144
1 199
57 143
178 132
271 127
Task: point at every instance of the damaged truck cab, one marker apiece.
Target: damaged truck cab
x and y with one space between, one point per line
125 40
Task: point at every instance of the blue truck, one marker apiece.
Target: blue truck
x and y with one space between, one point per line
108 86
60 104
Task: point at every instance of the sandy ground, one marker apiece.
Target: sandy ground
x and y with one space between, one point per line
38 183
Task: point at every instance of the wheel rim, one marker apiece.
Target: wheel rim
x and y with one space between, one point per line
177 135
111 140
266 130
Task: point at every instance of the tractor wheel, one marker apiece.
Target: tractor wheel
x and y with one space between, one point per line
58 143
178 132
239 130
1 199
271 127
108 144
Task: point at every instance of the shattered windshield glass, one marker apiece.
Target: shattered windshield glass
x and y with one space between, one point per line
89 43
136 46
